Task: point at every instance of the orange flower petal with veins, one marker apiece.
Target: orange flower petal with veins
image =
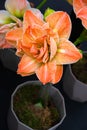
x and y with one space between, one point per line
33 36
60 23
80 9
43 73
82 14
27 66
31 20
53 48
56 72
14 34
79 4
67 53
49 72
19 51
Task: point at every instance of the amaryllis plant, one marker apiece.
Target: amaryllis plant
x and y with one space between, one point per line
42 42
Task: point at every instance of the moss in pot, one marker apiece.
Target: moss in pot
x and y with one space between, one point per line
33 110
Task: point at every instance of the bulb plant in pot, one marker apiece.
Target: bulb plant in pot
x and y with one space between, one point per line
76 85
34 106
42 43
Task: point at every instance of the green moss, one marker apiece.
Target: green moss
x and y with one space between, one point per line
40 118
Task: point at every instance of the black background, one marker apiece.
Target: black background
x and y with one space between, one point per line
76 113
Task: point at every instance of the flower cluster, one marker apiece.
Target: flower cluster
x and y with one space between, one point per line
41 41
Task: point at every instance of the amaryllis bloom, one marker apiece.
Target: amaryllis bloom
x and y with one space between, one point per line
80 9
44 46
12 17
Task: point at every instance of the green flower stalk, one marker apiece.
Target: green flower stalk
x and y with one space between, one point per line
81 38
41 4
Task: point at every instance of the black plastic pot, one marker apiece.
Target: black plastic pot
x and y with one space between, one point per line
73 87
9 59
15 124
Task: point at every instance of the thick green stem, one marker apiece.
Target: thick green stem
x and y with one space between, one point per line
44 96
41 4
77 42
45 93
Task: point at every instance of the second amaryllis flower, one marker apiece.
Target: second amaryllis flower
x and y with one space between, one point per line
80 9
44 46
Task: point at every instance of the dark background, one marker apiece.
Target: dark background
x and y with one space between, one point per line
76 113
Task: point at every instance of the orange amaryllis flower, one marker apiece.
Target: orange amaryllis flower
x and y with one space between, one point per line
44 46
80 9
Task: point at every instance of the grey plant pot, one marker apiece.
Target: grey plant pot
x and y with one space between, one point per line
9 59
15 124
75 89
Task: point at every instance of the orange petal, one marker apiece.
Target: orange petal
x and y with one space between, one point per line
53 48
82 14
27 38
37 12
27 66
34 30
31 20
61 23
43 73
19 51
79 4
43 53
49 72
14 34
34 36
56 72
67 53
